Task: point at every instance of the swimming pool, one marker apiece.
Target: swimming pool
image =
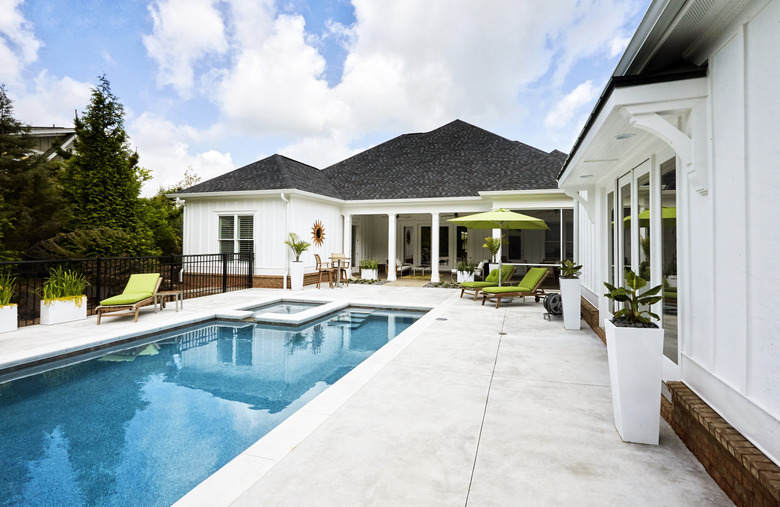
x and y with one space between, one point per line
144 425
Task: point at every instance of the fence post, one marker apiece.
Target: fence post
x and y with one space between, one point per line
250 269
224 272
173 272
97 281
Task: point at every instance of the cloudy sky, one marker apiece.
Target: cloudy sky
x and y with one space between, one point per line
217 84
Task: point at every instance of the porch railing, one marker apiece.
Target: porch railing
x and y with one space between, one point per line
194 275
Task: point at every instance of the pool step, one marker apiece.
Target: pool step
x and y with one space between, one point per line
354 319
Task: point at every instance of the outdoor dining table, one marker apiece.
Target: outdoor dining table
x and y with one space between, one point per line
338 261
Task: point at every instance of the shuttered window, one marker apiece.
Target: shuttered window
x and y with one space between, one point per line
236 233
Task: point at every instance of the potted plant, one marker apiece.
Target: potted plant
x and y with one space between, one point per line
369 269
465 271
8 311
493 245
63 298
635 355
570 294
298 246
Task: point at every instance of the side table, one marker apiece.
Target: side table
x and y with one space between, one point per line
173 295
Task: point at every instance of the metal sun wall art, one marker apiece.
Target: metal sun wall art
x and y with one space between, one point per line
318 233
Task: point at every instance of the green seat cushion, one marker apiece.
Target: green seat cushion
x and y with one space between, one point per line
126 298
507 288
477 285
506 272
531 279
145 282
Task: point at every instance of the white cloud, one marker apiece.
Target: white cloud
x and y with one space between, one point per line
184 32
165 149
561 115
18 44
53 101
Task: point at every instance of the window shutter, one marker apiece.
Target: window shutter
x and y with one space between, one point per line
226 227
246 227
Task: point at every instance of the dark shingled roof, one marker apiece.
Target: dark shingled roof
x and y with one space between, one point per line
273 173
455 160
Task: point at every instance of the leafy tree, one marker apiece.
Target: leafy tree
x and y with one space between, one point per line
165 216
31 205
102 180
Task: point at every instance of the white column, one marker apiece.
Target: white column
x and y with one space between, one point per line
391 226
435 247
348 239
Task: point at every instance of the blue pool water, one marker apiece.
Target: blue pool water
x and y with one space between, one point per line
143 426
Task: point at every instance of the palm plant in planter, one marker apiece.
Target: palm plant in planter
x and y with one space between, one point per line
465 271
8 311
62 298
570 294
298 246
493 245
369 269
635 353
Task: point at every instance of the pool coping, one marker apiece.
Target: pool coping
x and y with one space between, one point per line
232 480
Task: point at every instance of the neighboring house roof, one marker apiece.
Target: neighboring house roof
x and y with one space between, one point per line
272 173
47 139
455 160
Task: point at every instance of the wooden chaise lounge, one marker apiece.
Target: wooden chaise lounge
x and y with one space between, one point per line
139 291
490 281
530 285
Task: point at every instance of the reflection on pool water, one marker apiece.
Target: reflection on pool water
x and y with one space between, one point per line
143 426
287 307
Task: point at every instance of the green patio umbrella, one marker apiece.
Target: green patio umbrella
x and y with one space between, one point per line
500 219
668 215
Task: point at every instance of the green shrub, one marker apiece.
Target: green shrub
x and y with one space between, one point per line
7 286
64 284
632 312
570 270
369 264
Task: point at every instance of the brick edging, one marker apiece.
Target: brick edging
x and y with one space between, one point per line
744 473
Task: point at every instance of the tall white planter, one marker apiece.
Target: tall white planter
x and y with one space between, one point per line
57 311
465 276
635 363
571 299
8 318
296 275
369 274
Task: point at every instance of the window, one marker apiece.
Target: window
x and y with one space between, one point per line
236 233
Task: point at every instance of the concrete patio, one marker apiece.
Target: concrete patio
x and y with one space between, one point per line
470 406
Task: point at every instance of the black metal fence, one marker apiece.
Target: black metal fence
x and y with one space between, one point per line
194 275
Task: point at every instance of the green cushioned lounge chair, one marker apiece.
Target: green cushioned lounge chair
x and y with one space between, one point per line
490 281
139 291
530 285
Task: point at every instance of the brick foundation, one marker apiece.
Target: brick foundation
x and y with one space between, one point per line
276 281
744 473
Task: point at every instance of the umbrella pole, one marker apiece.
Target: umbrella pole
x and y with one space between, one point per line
499 258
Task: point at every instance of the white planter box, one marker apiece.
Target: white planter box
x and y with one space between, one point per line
464 276
296 275
8 318
571 299
56 311
635 363
369 274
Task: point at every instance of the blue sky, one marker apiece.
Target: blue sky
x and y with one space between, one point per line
215 85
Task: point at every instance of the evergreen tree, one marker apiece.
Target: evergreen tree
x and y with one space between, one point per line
31 205
102 180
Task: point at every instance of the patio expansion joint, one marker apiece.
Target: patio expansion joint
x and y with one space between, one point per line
484 411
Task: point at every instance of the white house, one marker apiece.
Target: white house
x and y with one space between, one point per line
676 175
390 203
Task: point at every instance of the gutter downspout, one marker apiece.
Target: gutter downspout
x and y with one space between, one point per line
286 234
